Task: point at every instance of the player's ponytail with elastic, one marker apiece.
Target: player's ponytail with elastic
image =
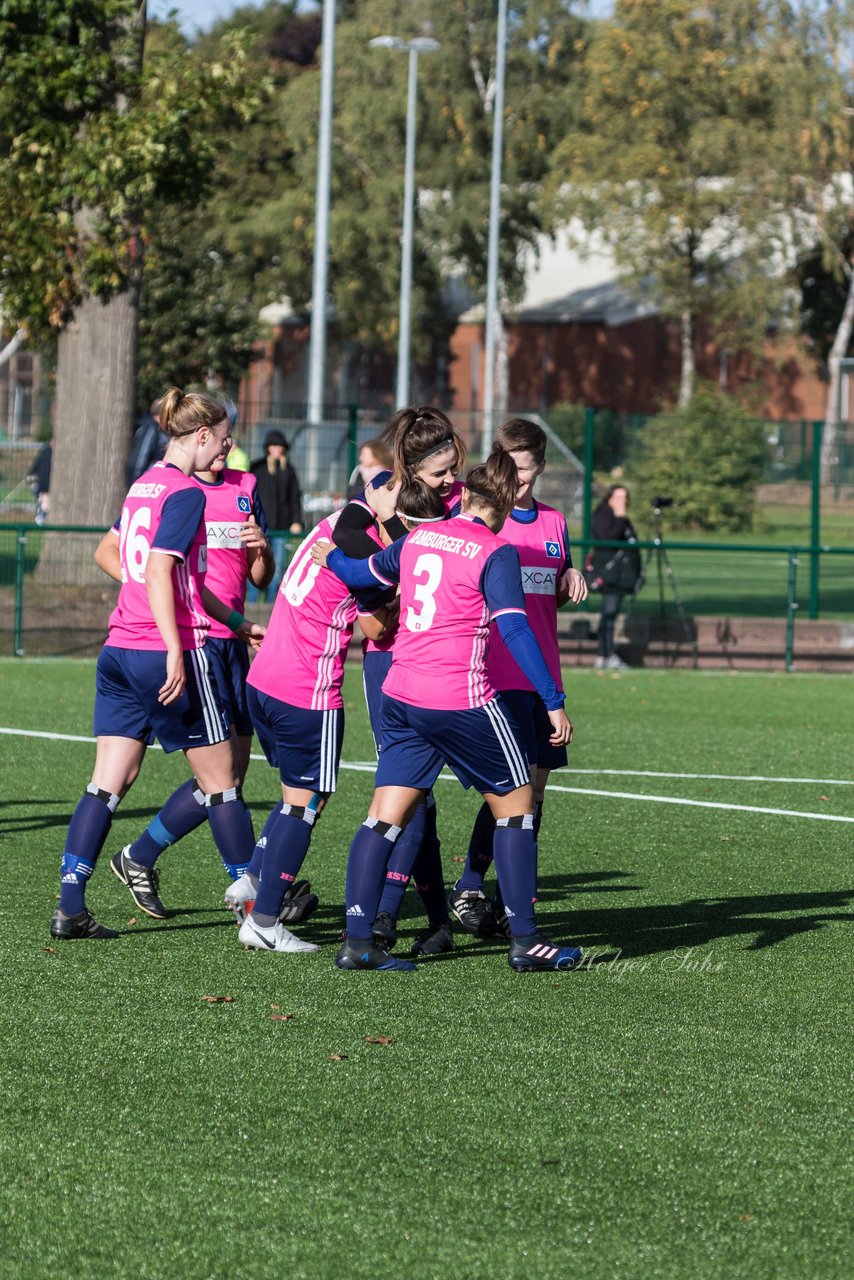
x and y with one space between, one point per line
183 412
417 503
493 483
418 432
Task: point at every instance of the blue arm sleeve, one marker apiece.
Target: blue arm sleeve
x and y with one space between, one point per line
382 569
179 522
502 589
520 640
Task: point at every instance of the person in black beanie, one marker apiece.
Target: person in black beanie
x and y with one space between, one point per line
279 494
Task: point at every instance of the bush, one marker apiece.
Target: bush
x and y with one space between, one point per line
709 457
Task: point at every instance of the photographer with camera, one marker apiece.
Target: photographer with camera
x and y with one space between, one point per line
613 571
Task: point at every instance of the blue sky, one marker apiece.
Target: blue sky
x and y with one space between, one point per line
194 15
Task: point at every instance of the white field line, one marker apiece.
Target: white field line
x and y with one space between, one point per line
366 766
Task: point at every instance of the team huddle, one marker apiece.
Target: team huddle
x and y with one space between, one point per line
455 585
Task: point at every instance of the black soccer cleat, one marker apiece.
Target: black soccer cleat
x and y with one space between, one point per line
384 930
82 926
529 955
472 911
433 940
299 903
143 883
358 953
495 920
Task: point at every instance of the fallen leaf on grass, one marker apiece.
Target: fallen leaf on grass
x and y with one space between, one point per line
281 1017
824 797
337 1057
218 999
457 858
747 1217
380 1040
274 1006
132 920
50 950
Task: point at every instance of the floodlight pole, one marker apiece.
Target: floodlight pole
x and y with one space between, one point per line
494 227
317 343
404 340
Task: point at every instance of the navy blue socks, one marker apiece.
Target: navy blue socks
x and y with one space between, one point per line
231 827
89 827
479 856
366 867
182 813
515 853
288 838
427 871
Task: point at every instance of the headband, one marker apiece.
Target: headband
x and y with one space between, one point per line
437 448
401 515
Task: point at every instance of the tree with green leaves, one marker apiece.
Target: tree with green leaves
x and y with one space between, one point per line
93 138
708 457
456 88
683 164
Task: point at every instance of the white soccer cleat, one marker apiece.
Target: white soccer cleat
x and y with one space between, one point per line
276 938
241 890
240 897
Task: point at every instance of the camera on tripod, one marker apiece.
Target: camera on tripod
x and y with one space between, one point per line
660 503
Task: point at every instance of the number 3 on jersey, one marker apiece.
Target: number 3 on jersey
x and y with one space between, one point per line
428 567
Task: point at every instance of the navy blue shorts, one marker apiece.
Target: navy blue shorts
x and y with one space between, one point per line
229 663
305 746
481 745
127 682
535 728
375 667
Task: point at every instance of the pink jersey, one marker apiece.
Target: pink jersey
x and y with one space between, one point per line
383 645
132 625
440 651
228 505
541 544
301 659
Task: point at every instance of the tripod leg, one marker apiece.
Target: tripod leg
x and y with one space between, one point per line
680 609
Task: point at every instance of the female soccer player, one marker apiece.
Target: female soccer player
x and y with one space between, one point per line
297 709
540 535
152 675
426 448
237 551
440 707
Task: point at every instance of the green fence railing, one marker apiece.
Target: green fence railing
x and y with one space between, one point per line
54 601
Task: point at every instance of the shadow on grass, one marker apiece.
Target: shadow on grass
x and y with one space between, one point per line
649 930
15 824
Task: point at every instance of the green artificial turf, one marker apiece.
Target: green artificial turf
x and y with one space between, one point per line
677 1108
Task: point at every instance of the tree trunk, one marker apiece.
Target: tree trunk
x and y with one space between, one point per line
95 409
688 373
841 343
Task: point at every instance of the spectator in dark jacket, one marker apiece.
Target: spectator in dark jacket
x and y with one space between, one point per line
279 494
610 523
39 478
148 444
